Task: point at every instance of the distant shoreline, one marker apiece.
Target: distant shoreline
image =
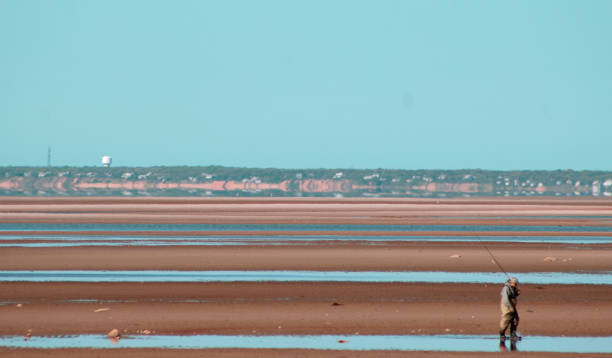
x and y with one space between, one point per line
213 181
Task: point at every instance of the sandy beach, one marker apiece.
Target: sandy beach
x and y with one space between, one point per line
375 211
264 308
348 256
298 308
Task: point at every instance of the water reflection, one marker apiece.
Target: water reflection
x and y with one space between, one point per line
459 343
503 347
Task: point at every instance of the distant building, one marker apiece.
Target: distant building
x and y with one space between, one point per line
596 188
106 161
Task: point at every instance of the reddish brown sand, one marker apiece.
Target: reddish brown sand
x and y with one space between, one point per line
511 211
406 256
302 308
299 308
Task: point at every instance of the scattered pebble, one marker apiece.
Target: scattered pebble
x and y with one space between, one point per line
114 333
102 310
19 305
447 330
455 256
337 304
550 259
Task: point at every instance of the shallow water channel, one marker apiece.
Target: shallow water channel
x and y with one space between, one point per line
600 278
69 235
459 343
103 240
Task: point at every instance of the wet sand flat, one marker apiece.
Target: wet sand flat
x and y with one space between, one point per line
298 308
303 307
403 256
306 210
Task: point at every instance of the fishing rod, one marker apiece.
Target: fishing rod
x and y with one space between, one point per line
493 257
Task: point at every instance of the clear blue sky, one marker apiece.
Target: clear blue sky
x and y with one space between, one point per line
332 84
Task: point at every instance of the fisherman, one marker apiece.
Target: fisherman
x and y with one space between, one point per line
509 314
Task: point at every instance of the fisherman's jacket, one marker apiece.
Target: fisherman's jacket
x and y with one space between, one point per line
508 295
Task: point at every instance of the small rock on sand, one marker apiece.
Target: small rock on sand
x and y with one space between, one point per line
550 259
19 305
102 310
337 304
114 333
455 256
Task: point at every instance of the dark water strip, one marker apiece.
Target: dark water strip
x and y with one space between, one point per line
453 343
71 241
600 278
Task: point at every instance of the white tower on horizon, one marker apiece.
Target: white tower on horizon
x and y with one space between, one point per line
106 161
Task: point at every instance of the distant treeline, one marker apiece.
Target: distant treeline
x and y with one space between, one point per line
274 175
219 180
